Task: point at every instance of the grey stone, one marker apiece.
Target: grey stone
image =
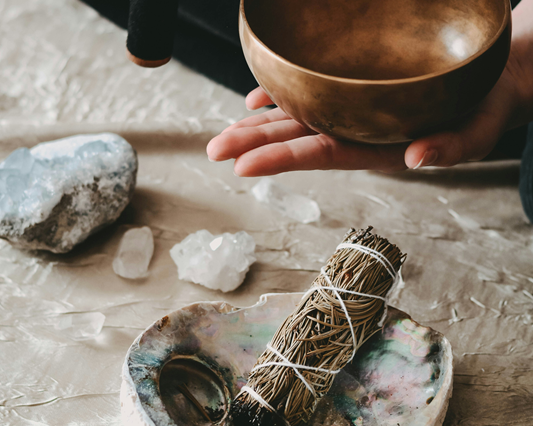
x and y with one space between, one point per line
56 194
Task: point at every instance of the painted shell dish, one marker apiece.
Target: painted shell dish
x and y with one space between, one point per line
186 368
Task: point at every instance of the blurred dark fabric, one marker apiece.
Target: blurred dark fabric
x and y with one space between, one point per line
151 27
526 166
206 38
526 176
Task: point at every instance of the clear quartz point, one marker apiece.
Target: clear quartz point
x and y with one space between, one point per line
82 326
134 253
285 201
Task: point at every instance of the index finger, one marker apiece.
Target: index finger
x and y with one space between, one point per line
257 98
319 152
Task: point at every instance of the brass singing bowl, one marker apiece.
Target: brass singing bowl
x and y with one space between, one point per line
377 71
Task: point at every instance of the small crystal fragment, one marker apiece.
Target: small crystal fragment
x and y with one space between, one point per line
56 194
287 202
134 253
82 326
217 262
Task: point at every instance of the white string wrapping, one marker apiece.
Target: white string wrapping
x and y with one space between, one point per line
297 367
257 397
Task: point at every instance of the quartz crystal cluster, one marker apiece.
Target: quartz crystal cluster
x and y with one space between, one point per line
217 262
56 194
285 201
134 253
81 326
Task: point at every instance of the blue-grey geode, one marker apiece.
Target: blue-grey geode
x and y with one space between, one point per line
56 194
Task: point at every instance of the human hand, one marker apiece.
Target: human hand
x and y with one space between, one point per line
272 142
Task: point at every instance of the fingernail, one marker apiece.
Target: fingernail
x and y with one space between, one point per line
211 160
235 174
429 158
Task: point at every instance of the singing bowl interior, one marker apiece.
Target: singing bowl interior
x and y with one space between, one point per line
376 39
400 376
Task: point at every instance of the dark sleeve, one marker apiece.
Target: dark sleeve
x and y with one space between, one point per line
526 175
526 165
151 27
205 37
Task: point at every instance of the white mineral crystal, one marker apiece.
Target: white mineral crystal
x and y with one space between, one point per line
81 326
285 201
56 194
134 253
217 262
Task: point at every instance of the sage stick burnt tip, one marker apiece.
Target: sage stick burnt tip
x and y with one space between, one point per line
247 414
340 312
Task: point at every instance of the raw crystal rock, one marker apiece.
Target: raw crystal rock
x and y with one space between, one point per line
134 253
82 326
217 262
285 201
56 194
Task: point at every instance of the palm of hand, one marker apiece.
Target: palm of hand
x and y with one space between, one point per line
272 143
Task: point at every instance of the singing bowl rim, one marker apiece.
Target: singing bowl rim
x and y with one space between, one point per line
480 52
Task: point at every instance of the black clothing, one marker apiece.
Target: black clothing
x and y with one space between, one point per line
206 38
526 176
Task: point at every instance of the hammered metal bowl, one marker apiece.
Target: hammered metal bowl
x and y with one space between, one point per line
377 71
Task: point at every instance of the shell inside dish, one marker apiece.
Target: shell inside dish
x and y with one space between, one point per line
186 368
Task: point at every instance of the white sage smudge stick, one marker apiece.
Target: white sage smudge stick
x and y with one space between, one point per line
341 311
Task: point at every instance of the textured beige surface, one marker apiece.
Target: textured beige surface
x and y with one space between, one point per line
63 71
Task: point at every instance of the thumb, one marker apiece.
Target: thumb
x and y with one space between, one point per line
257 98
472 140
